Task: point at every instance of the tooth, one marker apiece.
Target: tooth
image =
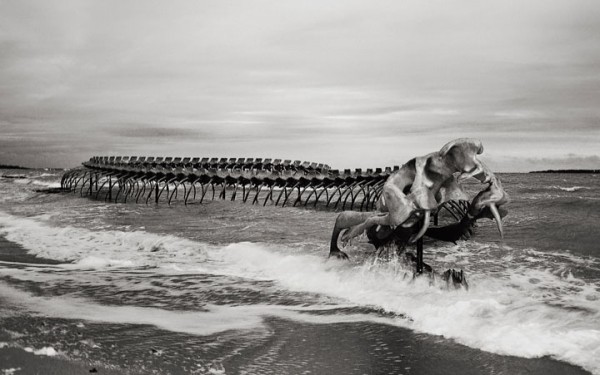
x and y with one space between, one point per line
423 228
497 217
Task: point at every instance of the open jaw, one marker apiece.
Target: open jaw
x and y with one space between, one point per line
420 190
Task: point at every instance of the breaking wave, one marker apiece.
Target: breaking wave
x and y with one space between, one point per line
518 304
569 189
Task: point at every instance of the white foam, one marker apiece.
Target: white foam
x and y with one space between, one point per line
48 184
569 189
42 180
21 181
98 249
46 350
210 320
219 370
520 308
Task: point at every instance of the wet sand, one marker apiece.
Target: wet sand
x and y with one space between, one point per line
292 348
17 361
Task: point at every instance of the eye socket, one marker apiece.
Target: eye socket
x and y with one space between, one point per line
416 214
406 189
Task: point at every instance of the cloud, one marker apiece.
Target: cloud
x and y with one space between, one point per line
150 132
352 84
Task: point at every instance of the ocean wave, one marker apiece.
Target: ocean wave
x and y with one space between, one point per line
48 184
32 181
210 320
514 307
46 350
569 189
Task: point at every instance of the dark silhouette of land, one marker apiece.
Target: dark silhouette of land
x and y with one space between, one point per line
568 171
3 166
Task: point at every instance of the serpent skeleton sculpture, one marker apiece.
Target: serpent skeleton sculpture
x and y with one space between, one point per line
405 198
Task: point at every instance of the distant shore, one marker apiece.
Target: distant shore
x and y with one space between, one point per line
568 171
4 166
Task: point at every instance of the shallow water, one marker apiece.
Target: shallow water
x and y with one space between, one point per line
236 271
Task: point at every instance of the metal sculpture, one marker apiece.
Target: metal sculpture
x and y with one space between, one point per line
405 198
426 185
276 181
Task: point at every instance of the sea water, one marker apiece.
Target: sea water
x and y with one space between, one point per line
229 275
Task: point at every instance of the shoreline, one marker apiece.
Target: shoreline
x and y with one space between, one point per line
14 253
287 346
290 348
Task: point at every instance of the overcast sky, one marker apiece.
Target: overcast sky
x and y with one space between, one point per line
348 83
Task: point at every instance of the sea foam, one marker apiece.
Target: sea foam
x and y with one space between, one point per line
569 188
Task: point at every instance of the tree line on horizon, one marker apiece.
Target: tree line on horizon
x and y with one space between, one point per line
568 171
